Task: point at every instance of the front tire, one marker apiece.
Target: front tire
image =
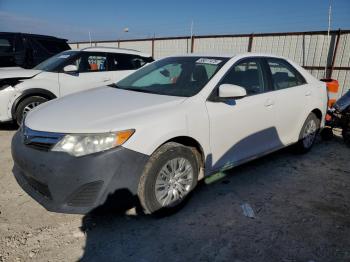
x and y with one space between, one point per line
308 134
168 178
26 106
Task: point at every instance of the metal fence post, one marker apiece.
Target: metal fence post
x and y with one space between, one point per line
250 43
334 54
153 47
192 44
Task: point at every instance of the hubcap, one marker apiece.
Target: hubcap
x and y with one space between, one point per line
29 107
309 133
174 181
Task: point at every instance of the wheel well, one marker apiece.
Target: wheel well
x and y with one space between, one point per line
318 113
48 95
190 142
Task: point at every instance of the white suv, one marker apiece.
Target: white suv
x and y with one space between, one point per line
68 72
159 130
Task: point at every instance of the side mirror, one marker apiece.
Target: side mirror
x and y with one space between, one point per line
70 69
231 91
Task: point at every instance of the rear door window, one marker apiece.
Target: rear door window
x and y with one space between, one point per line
284 75
126 62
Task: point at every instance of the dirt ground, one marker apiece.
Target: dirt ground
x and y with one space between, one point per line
301 205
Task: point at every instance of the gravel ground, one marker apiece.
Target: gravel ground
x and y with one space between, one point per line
301 205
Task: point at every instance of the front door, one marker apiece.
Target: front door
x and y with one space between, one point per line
92 72
242 129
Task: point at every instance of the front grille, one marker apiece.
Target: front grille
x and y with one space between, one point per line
40 140
86 195
39 187
40 146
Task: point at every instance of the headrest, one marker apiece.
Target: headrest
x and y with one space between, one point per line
199 73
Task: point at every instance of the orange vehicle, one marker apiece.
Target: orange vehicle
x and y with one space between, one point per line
333 89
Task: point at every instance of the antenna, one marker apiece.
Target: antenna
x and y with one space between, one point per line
90 39
328 33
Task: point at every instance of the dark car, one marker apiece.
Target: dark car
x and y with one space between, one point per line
338 116
28 50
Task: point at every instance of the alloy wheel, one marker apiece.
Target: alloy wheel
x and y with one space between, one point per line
174 182
309 134
29 107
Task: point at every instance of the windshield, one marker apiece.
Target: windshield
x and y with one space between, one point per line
174 76
54 62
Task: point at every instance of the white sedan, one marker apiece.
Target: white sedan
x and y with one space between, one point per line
68 72
157 132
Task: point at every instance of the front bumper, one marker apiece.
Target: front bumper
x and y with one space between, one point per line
6 96
67 184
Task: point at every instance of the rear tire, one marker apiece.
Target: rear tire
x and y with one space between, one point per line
308 134
168 179
26 106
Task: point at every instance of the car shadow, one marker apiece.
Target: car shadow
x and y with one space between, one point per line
116 234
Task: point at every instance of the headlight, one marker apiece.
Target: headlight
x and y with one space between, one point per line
80 144
4 83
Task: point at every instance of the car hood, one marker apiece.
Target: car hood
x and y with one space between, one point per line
18 72
98 110
10 68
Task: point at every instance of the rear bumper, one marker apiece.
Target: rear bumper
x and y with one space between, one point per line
66 184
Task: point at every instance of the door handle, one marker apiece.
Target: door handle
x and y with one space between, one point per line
308 93
106 79
269 102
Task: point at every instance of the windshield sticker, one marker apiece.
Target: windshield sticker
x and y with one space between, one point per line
64 56
208 61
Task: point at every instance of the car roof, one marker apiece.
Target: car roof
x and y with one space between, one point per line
34 35
241 55
114 50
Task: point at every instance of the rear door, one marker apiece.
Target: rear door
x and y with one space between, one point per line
242 129
92 72
291 93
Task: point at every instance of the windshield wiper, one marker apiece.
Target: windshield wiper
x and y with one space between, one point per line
136 90
141 91
113 85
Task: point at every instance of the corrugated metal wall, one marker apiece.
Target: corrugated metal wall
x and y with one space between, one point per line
221 45
168 47
106 44
142 46
343 60
309 49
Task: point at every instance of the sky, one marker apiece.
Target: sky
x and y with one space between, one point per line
107 19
